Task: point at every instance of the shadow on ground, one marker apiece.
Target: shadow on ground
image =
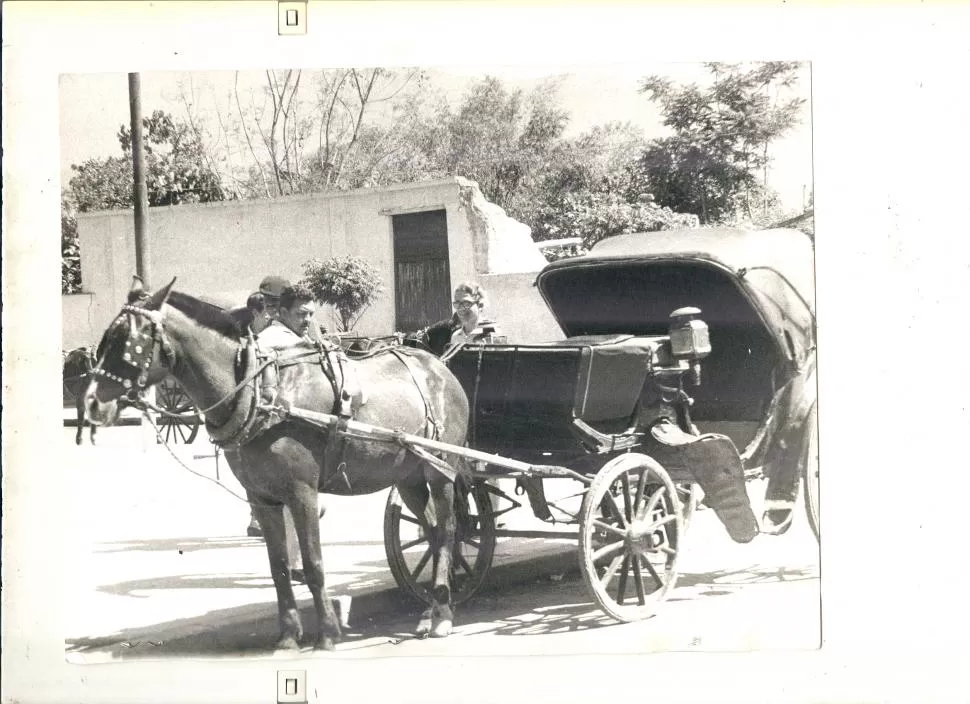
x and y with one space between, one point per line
502 608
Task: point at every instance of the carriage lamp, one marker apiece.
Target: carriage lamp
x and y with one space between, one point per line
689 339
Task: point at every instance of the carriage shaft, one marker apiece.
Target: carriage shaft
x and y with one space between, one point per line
366 431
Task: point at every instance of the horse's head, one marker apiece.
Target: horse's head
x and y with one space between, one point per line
132 355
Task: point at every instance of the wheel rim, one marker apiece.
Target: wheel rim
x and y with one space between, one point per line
630 537
409 551
812 480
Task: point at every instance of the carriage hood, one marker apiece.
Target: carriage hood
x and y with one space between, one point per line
631 283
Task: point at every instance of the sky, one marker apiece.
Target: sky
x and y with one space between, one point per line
94 106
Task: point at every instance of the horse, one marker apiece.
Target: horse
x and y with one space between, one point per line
286 460
77 367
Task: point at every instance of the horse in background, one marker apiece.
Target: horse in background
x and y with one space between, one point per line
76 373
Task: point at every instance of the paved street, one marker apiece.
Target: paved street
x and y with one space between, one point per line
162 567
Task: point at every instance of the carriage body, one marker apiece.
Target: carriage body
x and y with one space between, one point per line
755 291
593 402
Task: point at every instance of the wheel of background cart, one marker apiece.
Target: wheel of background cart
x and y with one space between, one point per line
183 427
630 530
409 550
810 478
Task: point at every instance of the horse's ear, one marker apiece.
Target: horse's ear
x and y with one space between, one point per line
157 299
137 291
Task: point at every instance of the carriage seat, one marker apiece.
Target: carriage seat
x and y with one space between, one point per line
525 397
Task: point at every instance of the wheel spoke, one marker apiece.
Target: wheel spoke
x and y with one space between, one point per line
653 572
627 507
610 529
611 571
654 500
641 487
411 519
607 550
412 543
662 521
421 564
641 597
621 586
611 502
474 543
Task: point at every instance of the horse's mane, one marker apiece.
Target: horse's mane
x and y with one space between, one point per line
208 315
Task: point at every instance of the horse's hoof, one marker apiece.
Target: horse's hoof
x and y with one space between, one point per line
287 643
424 626
325 643
442 629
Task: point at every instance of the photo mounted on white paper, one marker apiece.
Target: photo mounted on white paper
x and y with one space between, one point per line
395 361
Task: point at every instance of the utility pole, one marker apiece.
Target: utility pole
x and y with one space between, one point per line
142 249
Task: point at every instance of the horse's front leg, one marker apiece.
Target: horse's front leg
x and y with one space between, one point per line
79 436
443 498
271 520
306 519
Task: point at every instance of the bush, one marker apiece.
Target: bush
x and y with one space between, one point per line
595 216
349 284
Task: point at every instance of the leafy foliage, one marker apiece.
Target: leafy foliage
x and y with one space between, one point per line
720 140
70 249
349 284
176 170
593 216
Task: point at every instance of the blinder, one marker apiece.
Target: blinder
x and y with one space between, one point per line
139 347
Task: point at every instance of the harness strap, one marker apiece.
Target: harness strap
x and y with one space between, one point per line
431 422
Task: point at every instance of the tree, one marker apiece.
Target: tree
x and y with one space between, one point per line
709 166
502 139
176 170
349 284
70 248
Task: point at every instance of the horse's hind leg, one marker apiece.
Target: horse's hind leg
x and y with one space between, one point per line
307 522
271 520
414 494
443 498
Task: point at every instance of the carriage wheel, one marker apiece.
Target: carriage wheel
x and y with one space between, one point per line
185 426
409 551
811 476
631 527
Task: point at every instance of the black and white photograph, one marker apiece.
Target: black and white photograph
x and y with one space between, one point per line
402 361
436 351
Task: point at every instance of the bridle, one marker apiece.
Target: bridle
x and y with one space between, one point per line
139 349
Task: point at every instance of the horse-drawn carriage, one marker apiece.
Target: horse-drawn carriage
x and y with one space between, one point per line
623 405
680 347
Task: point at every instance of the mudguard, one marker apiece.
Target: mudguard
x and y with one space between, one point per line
714 463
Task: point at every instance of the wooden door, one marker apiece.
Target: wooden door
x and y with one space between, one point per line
422 278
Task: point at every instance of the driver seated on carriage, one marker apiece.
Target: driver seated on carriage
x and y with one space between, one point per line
281 315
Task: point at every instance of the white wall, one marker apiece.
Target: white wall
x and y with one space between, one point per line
223 250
